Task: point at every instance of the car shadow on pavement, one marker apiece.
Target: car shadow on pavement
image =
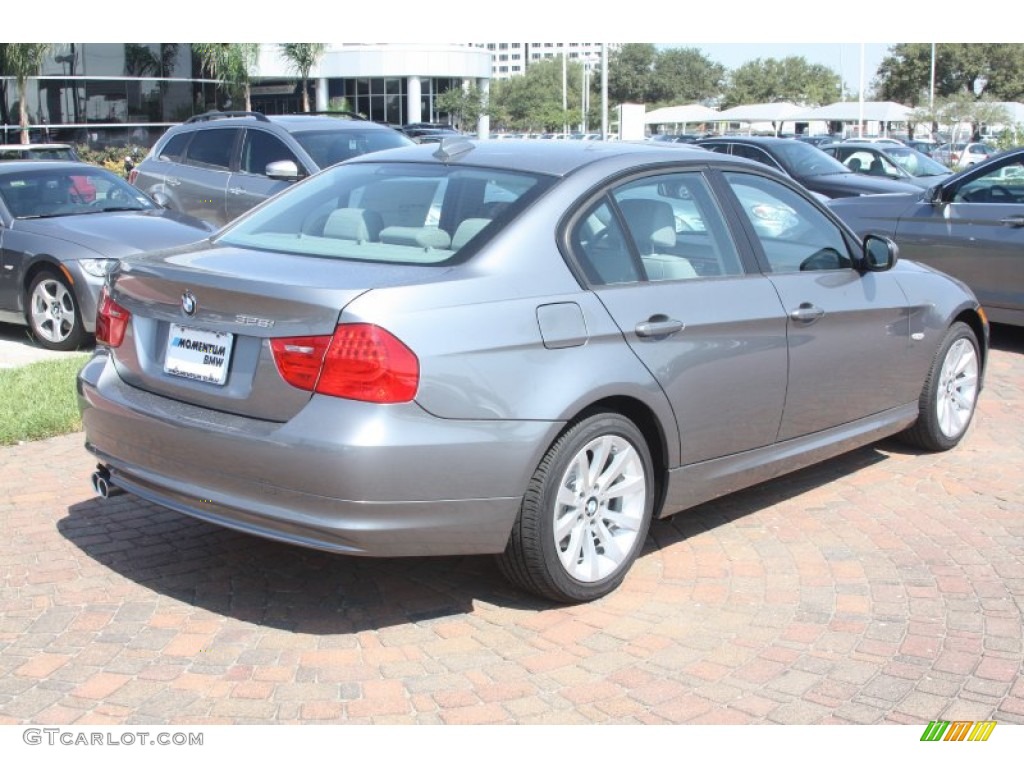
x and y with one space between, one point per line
1008 338
307 591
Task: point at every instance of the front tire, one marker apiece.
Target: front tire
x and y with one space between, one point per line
585 515
52 313
950 392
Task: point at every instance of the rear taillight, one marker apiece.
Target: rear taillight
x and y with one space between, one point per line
133 174
111 320
359 362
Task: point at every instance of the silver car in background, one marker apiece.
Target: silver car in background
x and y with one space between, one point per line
969 225
522 348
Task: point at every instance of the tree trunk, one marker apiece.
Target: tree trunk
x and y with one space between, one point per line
23 112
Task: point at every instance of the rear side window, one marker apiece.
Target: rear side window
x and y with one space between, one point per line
665 227
175 147
212 148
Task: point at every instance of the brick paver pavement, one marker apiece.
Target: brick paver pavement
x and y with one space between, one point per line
885 586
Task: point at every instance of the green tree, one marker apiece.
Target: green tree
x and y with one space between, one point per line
685 76
631 74
22 61
302 58
791 79
232 64
993 69
464 107
533 101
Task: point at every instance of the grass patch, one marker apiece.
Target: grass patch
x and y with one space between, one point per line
39 401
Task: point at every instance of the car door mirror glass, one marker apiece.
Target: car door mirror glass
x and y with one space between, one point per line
880 253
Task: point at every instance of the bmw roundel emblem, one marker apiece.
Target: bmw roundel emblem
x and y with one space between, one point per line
188 303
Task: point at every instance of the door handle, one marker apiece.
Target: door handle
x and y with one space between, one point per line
236 191
806 313
1013 221
172 181
659 325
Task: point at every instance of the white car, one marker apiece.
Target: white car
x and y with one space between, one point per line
962 154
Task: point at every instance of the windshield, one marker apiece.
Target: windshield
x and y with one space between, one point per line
915 163
330 147
408 213
802 159
43 193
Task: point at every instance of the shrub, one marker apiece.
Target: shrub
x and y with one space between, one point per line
111 158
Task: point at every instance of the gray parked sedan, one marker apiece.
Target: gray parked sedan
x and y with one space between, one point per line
971 226
63 226
521 348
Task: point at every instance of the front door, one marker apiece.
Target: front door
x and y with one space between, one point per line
848 330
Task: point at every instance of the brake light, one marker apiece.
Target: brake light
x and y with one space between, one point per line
359 362
111 320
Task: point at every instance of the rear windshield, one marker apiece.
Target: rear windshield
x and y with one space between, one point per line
330 147
403 213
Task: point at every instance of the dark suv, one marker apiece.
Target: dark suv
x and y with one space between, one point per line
218 165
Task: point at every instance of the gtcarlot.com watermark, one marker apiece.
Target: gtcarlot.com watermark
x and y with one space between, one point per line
77 738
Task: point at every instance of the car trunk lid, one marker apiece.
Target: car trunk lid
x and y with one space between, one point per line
203 321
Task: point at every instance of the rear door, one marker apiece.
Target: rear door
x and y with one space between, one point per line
658 254
203 176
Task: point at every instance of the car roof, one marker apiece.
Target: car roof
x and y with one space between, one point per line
553 158
289 123
14 166
749 139
34 147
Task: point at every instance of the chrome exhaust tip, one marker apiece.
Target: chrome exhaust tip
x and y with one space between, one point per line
102 484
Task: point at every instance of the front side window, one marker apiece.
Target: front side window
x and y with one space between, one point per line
259 149
794 235
1003 183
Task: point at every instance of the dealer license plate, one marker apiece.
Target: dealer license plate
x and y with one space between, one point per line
198 355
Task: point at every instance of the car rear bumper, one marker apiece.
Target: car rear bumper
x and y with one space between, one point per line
341 476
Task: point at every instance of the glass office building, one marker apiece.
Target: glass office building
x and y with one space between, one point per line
120 93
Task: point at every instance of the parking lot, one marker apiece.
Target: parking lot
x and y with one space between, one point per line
885 586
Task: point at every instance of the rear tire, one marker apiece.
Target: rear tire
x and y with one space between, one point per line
950 392
585 514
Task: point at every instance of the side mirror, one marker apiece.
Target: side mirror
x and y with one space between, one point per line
283 170
880 253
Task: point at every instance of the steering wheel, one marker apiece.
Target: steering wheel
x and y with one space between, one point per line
997 191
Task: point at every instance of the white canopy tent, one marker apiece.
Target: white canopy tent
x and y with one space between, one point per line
775 112
854 111
683 114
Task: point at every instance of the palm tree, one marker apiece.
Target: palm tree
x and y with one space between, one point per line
301 58
231 63
23 60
